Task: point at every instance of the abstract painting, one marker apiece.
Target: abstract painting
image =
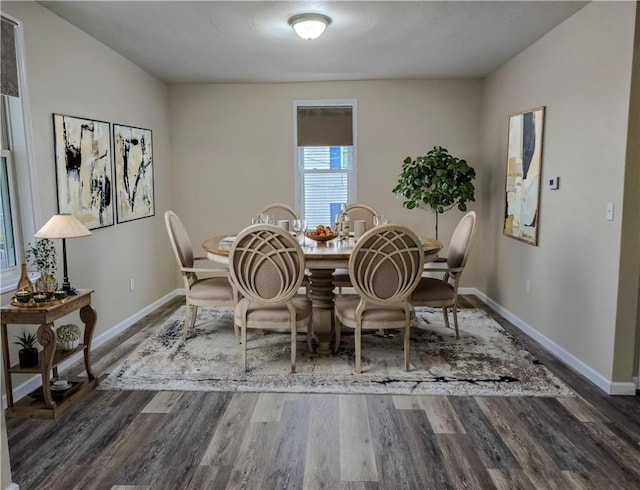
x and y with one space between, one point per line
524 167
83 169
133 156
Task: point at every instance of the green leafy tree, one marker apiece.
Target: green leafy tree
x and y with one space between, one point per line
437 180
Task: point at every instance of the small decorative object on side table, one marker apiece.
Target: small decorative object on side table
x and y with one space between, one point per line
50 356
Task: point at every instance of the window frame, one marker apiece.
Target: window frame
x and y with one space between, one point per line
298 167
27 211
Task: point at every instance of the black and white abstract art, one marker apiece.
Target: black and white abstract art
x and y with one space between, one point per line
133 156
83 169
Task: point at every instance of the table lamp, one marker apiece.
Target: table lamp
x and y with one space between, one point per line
63 226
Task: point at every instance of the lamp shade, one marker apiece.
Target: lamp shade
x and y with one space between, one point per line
63 226
309 26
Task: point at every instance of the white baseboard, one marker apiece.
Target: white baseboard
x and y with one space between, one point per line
34 382
606 385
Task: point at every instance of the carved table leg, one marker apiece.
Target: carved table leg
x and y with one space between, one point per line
8 385
321 294
88 316
49 341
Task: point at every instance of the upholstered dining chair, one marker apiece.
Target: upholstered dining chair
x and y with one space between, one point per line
436 292
280 211
209 291
385 267
356 211
266 265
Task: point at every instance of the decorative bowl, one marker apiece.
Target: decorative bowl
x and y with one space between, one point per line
321 238
60 294
23 296
68 336
40 298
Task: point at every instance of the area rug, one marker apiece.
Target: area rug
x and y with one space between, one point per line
485 361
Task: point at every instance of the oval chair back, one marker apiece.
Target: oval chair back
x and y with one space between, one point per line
266 264
386 264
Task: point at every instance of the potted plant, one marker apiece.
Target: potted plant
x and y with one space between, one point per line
68 336
28 354
437 180
42 258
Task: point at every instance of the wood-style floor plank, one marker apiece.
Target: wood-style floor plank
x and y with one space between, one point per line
357 459
322 467
212 440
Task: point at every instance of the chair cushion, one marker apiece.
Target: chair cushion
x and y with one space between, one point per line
432 289
212 288
275 314
346 306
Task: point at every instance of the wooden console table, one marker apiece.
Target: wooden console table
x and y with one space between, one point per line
50 356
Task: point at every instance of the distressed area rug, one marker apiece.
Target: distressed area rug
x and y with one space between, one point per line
485 361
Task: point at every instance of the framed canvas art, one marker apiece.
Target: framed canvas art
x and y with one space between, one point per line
83 169
524 172
133 157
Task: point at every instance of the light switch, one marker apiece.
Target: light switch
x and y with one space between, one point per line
609 211
552 183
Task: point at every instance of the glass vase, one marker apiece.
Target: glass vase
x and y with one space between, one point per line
25 284
46 284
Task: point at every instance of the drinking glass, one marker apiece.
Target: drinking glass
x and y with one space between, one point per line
267 219
299 226
380 220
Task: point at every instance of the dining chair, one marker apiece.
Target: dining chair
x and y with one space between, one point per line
356 211
266 265
385 266
209 291
436 292
280 211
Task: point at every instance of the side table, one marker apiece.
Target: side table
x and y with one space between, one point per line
50 356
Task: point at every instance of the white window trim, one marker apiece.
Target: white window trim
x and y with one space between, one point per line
27 181
298 172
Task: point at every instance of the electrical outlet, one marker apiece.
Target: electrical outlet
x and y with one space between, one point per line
527 286
132 285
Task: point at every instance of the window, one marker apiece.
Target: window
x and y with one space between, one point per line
325 158
8 239
18 205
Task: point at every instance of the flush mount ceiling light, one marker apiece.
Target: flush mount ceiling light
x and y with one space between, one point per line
309 26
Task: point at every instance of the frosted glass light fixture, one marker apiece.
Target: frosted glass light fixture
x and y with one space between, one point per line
309 26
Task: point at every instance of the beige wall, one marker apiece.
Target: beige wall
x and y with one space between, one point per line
232 145
69 72
581 72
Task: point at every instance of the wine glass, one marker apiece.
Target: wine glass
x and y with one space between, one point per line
299 226
266 218
380 220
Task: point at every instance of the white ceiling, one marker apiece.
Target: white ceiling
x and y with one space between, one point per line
239 41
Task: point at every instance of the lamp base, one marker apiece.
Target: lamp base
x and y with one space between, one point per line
66 287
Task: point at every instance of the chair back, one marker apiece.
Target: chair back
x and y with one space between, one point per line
386 264
358 211
461 241
180 241
266 264
280 211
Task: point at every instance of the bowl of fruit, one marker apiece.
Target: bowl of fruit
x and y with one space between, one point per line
321 234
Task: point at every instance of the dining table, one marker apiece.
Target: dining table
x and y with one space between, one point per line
321 259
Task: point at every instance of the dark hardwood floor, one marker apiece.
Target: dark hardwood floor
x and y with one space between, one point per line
212 440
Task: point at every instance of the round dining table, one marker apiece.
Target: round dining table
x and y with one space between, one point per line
322 259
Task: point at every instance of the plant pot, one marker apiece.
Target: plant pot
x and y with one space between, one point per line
28 358
69 344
